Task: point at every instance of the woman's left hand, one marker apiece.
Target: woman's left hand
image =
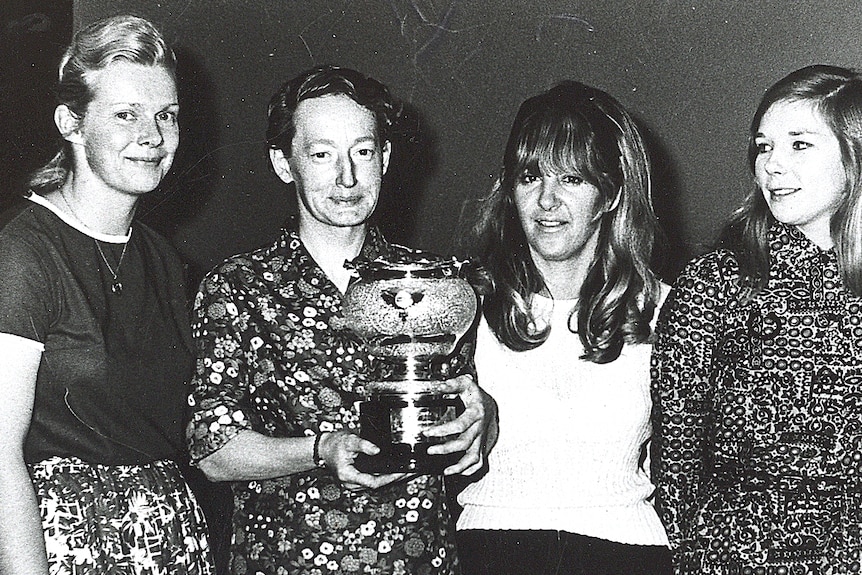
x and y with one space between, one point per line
475 429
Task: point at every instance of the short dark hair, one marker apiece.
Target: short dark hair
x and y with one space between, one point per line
323 81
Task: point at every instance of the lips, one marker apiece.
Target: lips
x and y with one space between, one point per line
346 199
780 192
550 224
151 161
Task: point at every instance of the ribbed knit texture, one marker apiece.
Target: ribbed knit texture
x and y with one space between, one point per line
571 436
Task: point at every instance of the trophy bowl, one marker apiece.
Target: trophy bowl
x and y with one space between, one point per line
411 316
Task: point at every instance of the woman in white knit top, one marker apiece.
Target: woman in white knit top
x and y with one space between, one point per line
563 347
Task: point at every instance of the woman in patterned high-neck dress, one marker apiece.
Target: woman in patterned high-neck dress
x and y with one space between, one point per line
757 368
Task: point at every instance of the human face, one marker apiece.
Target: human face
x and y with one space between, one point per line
799 168
560 215
129 134
337 162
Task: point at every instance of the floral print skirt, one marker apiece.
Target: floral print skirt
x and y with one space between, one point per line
129 519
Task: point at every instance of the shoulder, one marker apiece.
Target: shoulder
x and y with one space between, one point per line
152 236
717 269
24 219
24 236
710 281
249 267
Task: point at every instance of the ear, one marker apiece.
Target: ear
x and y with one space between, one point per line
281 165
68 123
387 150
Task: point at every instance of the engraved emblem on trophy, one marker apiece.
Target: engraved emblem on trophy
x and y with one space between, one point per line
411 316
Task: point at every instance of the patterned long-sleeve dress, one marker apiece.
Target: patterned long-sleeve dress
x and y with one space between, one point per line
270 360
758 416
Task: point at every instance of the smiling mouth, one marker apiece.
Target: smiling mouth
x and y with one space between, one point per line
149 161
350 200
550 224
781 192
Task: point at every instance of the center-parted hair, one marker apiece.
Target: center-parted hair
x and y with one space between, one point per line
580 129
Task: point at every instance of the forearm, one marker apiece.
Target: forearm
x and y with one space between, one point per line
251 455
22 542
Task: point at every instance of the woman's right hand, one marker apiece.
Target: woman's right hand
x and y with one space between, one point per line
339 450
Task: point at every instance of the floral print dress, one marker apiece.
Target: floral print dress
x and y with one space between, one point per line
759 416
270 360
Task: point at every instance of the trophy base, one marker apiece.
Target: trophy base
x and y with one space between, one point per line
405 458
395 423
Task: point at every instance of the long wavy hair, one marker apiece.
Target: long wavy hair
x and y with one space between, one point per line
574 128
836 94
119 38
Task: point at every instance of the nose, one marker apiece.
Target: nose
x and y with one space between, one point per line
548 199
150 134
346 173
775 160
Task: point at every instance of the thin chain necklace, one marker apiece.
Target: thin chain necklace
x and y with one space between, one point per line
116 284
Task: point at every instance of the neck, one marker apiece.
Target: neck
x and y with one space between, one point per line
331 246
107 213
819 236
564 279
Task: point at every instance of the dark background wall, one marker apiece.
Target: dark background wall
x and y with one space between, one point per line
691 72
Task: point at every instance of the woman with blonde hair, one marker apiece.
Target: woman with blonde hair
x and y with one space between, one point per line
563 347
95 349
758 358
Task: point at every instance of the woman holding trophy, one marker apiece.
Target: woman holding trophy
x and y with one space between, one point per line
563 347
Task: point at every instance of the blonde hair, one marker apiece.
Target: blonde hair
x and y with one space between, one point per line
574 127
126 38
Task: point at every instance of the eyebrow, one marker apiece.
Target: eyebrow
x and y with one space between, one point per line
795 133
329 142
138 105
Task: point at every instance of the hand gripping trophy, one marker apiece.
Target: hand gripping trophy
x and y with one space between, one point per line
411 313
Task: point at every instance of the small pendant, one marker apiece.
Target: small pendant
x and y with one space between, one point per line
117 288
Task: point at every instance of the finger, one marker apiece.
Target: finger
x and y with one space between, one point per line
365 446
460 385
455 427
462 442
470 463
359 480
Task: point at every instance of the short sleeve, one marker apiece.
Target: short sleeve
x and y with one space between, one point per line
25 290
218 392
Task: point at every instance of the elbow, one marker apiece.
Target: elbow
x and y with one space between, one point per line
215 469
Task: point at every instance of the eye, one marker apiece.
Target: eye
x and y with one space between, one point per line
167 117
571 179
762 147
365 153
801 145
319 155
528 178
125 116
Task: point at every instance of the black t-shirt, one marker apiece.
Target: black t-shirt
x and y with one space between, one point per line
112 382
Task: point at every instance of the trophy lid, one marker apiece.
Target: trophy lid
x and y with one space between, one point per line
410 264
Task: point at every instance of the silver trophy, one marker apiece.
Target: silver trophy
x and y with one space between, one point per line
411 316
